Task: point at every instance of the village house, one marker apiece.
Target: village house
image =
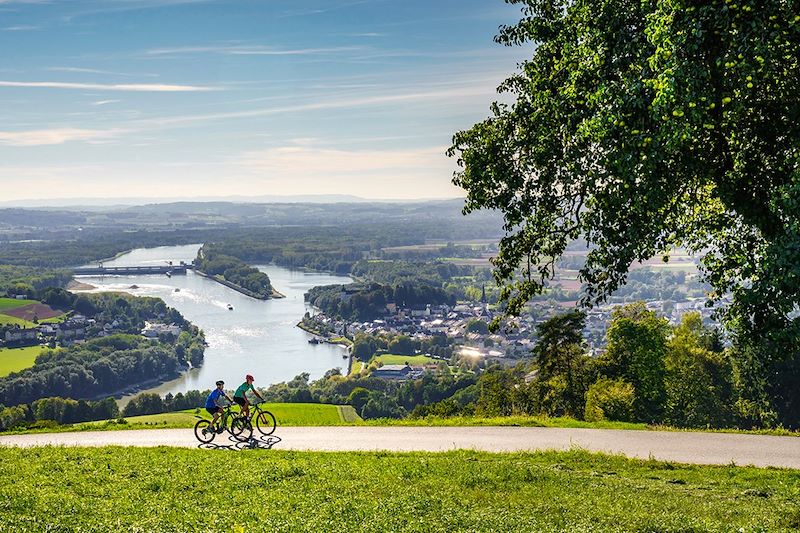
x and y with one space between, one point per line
153 331
398 372
21 335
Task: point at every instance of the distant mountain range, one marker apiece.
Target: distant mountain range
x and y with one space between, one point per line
106 203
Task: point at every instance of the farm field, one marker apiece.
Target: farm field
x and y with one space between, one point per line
12 303
8 320
107 489
23 312
16 359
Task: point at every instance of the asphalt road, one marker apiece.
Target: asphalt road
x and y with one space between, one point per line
682 447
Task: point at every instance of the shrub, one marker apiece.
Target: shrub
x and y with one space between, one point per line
609 400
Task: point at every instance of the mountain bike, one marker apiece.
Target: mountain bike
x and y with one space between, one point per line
262 419
237 425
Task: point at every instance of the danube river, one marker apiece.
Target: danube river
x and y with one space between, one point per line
256 337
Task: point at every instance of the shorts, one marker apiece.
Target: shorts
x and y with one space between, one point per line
213 410
241 401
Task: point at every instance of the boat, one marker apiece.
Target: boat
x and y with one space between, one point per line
230 307
313 341
169 274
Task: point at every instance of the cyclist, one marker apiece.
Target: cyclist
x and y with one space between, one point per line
212 403
241 398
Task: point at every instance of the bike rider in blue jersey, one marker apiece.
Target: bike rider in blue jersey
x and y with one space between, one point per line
212 403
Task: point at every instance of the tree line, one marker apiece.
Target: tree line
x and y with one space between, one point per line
98 367
368 301
47 412
215 263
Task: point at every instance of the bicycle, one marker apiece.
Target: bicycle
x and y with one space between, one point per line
263 420
236 424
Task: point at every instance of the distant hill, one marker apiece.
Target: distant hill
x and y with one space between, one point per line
106 203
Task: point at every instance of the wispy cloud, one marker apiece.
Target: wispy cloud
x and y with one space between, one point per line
446 94
304 158
80 70
105 102
55 136
134 87
245 50
22 27
371 172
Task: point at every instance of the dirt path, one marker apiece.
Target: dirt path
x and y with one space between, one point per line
683 447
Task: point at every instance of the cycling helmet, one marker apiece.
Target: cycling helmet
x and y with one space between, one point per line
248 377
220 382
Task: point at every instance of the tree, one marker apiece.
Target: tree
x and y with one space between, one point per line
358 398
563 375
609 400
699 388
643 126
637 345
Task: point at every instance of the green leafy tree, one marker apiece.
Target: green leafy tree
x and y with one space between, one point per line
698 381
358 398
637 346
639 126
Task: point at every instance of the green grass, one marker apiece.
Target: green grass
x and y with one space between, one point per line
391 359
286 414
12 303
16 359
8 320
164 489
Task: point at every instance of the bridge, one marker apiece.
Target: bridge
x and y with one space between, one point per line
167 270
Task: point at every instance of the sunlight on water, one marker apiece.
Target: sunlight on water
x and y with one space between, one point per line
256 337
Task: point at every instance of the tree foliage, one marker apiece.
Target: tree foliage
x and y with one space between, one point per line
640 126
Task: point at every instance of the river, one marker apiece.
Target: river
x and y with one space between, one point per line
257 337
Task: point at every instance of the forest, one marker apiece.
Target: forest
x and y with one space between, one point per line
100 367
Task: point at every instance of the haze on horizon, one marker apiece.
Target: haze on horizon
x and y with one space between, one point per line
210 98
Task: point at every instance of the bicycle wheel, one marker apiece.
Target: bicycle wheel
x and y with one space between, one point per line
203 431
240 428
265 422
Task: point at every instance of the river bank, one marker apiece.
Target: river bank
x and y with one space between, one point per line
259 337
240 289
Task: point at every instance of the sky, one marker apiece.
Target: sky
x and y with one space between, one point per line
205 98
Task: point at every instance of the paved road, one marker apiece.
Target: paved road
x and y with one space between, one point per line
683 447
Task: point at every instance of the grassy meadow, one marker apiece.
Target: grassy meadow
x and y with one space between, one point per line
13 303
392 359
178 490
16 359
286 414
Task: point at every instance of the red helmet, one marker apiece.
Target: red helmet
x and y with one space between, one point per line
248 377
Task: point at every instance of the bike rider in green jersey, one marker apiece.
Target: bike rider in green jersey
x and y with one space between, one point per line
241 398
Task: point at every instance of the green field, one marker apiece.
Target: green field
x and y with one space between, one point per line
12 303
286 414
8 320
163 489
16 359
391 359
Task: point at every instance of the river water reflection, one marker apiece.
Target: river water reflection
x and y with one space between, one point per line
257 337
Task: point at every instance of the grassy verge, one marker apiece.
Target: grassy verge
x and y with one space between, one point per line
153 490
298 414
286 414
16 359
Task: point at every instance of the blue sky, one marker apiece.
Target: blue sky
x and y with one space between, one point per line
191 98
